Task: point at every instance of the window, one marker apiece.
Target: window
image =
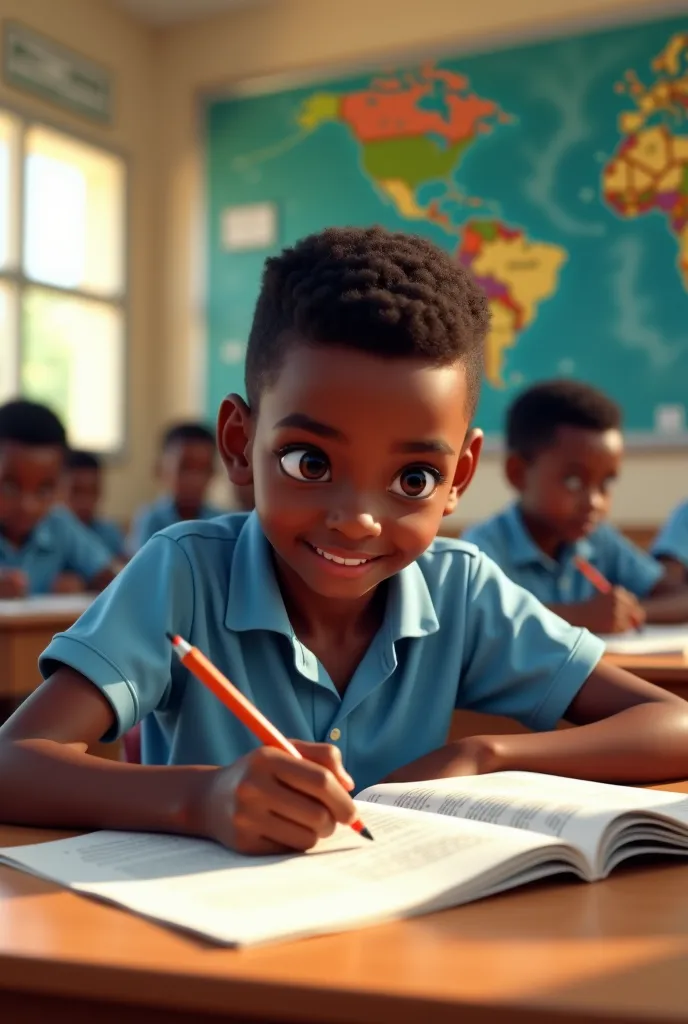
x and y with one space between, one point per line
62 279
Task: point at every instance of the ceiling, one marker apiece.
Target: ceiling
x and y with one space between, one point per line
169 12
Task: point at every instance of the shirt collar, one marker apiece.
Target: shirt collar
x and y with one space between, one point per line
255 601
524 551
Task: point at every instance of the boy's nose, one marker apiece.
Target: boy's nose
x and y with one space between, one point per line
354 525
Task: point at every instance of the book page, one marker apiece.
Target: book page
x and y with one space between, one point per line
572 810
45 604
344 882
650 640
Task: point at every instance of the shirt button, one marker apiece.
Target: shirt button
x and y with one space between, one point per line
335 734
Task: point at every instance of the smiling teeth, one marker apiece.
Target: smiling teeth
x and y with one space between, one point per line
341 561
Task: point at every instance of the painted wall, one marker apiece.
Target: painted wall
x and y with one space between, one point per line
287 38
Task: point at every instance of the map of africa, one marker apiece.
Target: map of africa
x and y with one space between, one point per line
536 167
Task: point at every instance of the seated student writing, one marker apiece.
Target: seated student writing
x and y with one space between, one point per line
332 606
564 453
43 548
670 547
185 468
83 491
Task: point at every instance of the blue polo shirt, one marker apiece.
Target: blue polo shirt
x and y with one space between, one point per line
60 543
109 534
672 539
456 633
506 540
157 516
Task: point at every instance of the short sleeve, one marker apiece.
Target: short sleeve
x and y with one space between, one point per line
85 553
119 643
521 660
628 566
672 540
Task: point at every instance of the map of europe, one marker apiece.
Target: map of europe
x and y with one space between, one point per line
538 168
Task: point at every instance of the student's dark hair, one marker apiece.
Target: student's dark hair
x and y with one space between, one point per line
32 424
178 433
373 290
534 418
83 460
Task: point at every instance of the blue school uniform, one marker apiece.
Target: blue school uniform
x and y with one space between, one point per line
506 540
456 634
110 534
158 516
59 544
672 540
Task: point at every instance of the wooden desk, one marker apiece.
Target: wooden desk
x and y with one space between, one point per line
23 638
670 671
556 953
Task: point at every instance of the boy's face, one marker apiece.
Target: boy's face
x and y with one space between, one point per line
567 486
355 458
29 482
186 470
83 489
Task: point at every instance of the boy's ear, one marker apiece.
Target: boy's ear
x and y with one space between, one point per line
515 469
233 437
465 468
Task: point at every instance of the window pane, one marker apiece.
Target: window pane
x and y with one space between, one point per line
8 342
72 359
9 144
74 214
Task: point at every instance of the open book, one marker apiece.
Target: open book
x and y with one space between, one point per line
45 604
437 845
649 640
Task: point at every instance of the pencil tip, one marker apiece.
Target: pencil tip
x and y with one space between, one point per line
170 637
365 832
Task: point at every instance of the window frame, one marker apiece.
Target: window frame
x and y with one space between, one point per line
17 279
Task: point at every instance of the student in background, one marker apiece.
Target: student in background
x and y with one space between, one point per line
670 546
333 605
564 453
185 469
83 492
43 549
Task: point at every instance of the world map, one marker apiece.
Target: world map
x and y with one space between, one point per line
557 172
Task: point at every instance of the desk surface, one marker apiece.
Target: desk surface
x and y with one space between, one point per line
560 953
667 670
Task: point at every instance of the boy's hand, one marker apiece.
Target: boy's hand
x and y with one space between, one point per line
615 612
13 583
68 583
268 802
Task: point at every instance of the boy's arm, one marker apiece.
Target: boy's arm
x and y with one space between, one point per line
265 802
629 731
667 602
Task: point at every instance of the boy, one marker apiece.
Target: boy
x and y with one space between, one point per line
671 544
185 469
84 488
565 448
43 549
332 605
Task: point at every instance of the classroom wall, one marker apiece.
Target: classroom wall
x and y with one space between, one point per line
125 46
277 37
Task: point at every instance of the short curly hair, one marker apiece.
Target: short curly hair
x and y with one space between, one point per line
535 416
387 293
31 424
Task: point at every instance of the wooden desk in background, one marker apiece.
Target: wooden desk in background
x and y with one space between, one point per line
555 953
23 637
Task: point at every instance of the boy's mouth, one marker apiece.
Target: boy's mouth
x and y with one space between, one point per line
343 564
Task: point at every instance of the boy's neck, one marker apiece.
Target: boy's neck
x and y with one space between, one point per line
187 511
313 616
550 543
14 542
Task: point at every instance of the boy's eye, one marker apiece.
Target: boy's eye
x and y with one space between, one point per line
573 484
416 482
307 464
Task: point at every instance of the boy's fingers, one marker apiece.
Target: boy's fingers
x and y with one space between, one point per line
329 757
318 782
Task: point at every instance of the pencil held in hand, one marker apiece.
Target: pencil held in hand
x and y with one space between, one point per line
593 575
245 711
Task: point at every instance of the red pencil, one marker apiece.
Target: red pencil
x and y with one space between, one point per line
246 712
593 575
